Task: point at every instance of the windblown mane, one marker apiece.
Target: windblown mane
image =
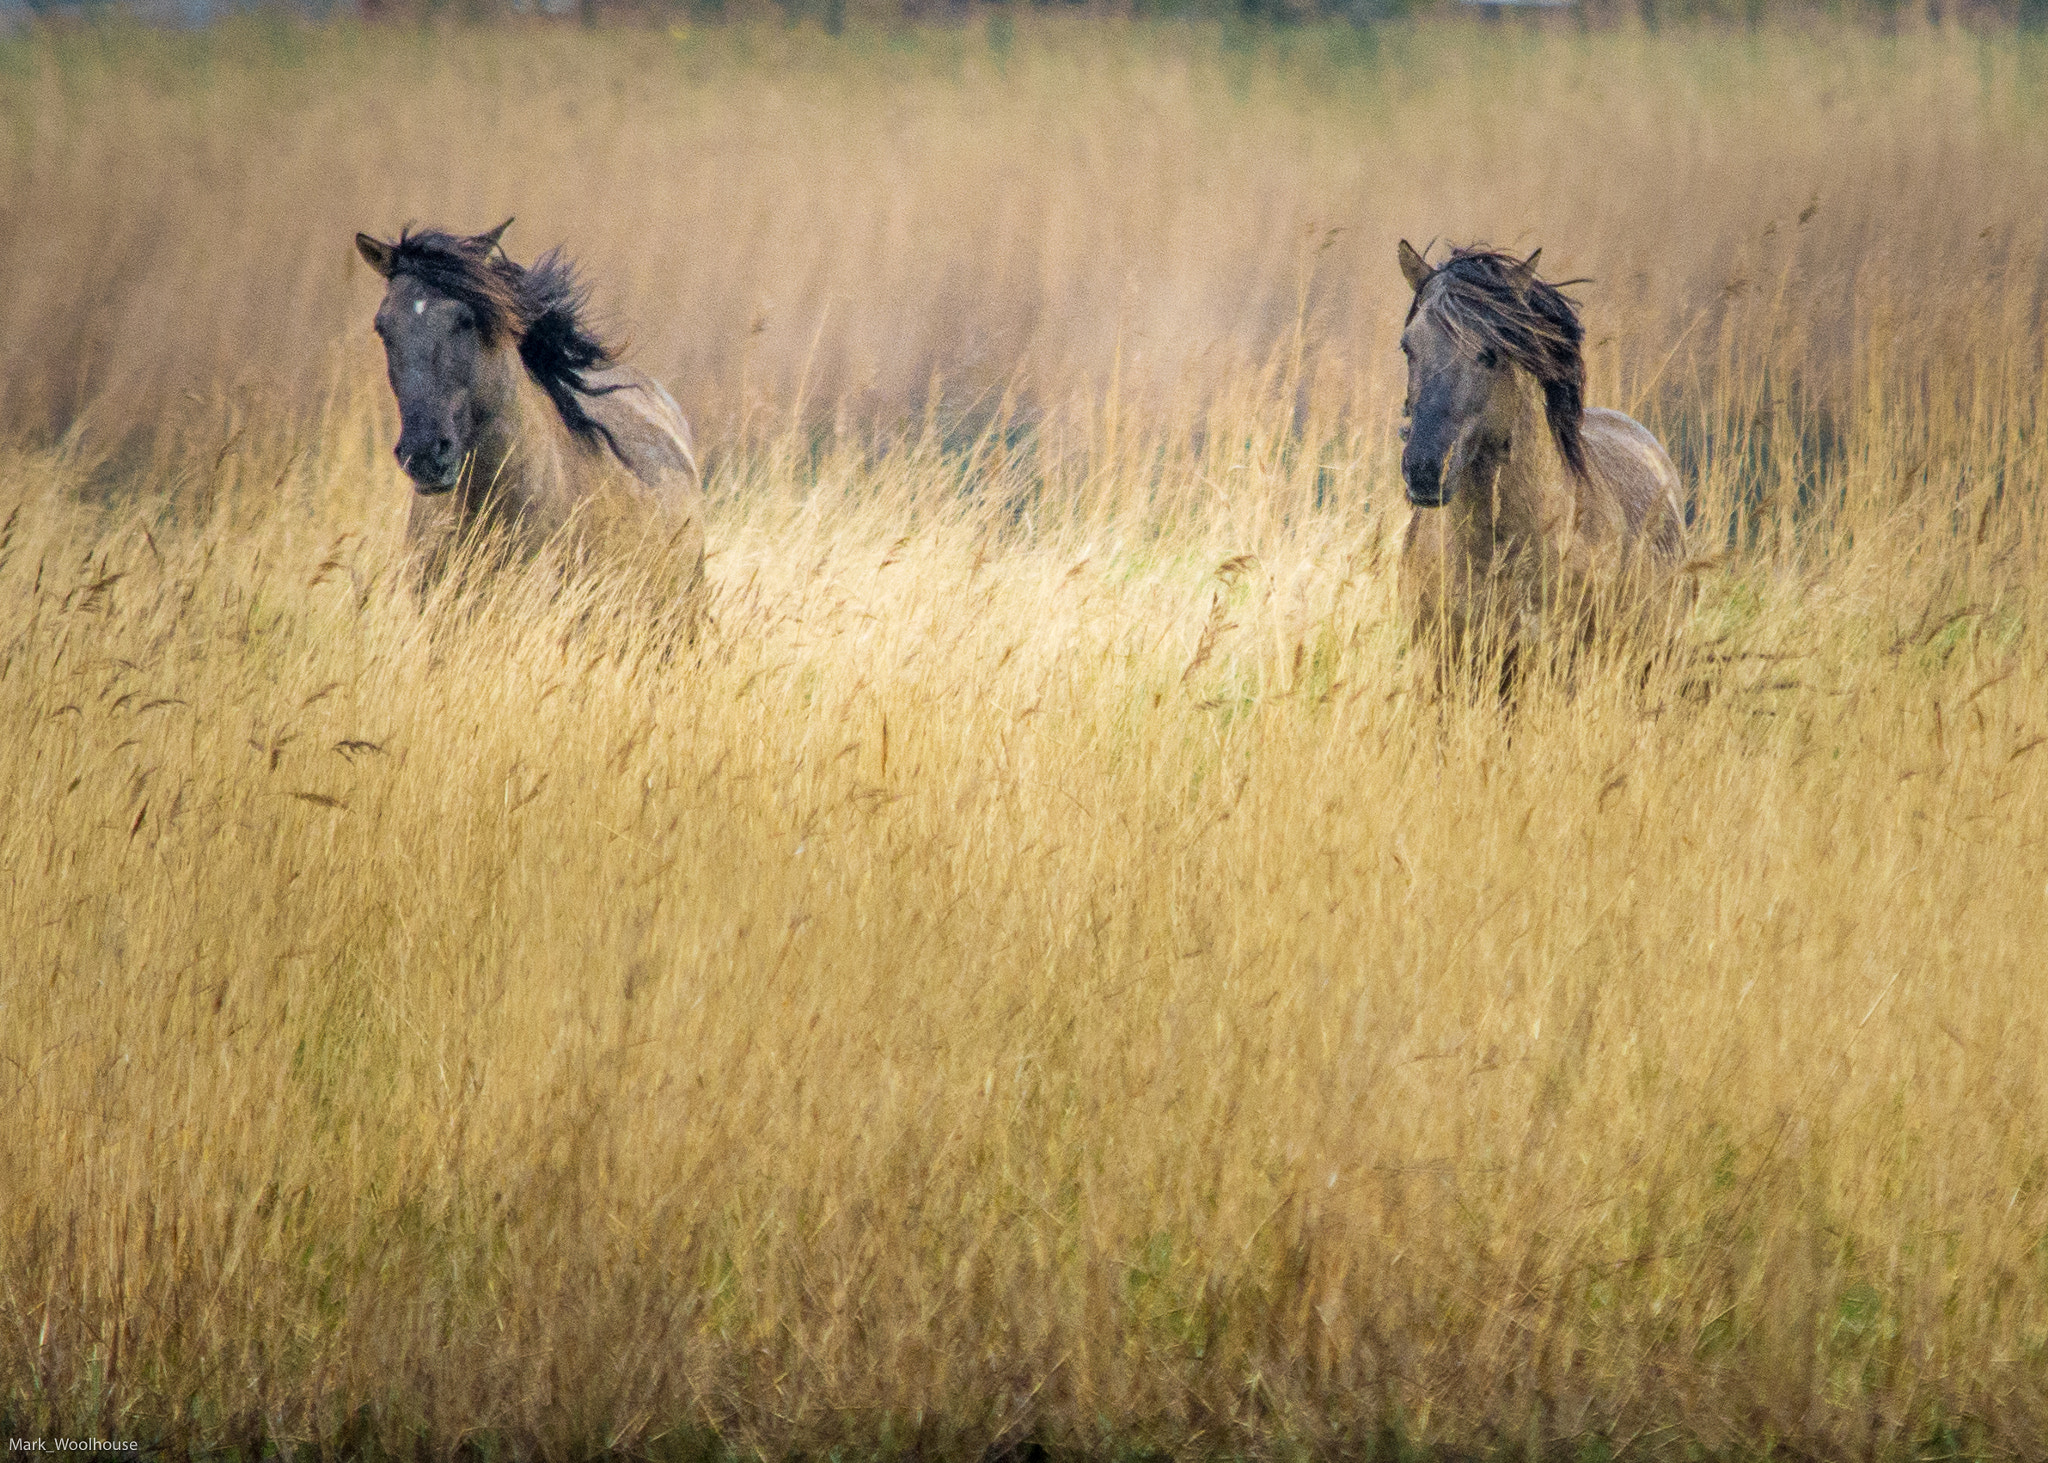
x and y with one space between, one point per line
1494 301
540 307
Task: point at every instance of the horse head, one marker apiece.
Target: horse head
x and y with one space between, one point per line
1476 320
448 308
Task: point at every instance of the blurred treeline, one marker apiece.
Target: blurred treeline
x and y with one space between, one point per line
834 15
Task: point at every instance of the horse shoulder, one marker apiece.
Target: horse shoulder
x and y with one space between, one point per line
1625 459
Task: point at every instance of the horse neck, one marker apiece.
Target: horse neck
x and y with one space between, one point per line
1519 495
523 448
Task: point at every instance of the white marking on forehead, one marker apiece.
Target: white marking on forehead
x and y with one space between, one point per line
419 307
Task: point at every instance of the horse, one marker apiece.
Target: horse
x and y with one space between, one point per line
1537 522
518 425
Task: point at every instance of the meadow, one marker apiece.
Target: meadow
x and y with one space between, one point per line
1039 973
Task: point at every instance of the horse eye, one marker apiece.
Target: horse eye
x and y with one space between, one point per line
1488 359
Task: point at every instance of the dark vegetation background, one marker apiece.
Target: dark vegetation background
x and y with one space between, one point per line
834 15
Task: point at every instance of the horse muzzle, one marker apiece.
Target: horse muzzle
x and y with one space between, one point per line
433 470
1426 470
1426 489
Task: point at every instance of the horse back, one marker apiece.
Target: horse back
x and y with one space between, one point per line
1625 459
647 433
650 435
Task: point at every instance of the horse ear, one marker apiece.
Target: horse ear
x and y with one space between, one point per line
376 253
490 238
1413 267
1527 268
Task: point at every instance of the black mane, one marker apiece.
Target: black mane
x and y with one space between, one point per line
1494 301
540 307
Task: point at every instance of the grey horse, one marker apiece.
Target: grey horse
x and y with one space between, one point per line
1537 520
517 422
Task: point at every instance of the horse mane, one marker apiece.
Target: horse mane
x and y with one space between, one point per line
1494 301
541 307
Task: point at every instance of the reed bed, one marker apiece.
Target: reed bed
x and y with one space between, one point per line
1035 970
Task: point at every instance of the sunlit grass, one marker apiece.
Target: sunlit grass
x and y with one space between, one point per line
1036 967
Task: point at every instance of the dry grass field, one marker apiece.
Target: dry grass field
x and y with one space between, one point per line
1036 971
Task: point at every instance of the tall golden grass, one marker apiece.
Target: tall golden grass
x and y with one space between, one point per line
1036 969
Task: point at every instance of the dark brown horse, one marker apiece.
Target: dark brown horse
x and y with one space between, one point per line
1536 519
516 421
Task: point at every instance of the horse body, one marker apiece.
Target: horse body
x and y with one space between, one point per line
518 426
1536 520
